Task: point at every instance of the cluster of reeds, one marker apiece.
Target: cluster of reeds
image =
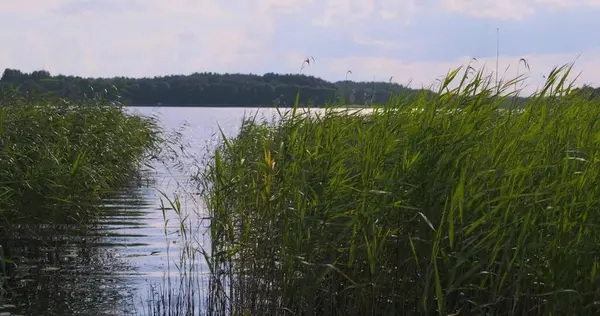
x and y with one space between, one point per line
54 151
58 158
444 205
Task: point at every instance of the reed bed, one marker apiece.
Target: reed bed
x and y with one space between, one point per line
54 151
58 159
455 209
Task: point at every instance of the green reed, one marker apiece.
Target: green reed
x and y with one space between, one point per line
58 158
54 151
440 205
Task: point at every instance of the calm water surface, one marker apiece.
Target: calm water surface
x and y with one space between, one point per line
125 264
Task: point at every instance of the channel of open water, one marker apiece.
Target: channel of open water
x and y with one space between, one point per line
130 262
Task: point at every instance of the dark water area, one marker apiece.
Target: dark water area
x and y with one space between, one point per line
130 261
63 270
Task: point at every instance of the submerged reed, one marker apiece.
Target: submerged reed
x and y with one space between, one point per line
455 208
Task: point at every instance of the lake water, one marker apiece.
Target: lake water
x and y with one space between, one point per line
127 263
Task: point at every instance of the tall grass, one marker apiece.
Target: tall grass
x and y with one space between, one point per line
455 209
57 152
58 158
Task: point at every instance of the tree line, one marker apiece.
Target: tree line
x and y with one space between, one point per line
206 89
213 89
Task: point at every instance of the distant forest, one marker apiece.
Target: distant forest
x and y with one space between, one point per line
212 89
206 89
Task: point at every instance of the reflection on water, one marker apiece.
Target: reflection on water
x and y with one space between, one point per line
69 271
130 263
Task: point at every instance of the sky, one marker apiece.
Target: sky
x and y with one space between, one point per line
413 42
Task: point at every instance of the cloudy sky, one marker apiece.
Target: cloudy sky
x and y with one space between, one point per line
414 41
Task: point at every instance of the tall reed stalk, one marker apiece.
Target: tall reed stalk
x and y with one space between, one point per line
58 158
443 205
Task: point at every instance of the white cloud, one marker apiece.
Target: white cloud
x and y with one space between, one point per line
99 6
358 39
282 5
153 37
29 6
341 13
510 9
569 3
496 9
100 38
344 12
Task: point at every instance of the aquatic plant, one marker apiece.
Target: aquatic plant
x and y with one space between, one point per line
438 205
59 158
57 152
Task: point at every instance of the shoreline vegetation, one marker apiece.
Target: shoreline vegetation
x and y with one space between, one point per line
456 209
211 89
222 90
465 201
58 159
